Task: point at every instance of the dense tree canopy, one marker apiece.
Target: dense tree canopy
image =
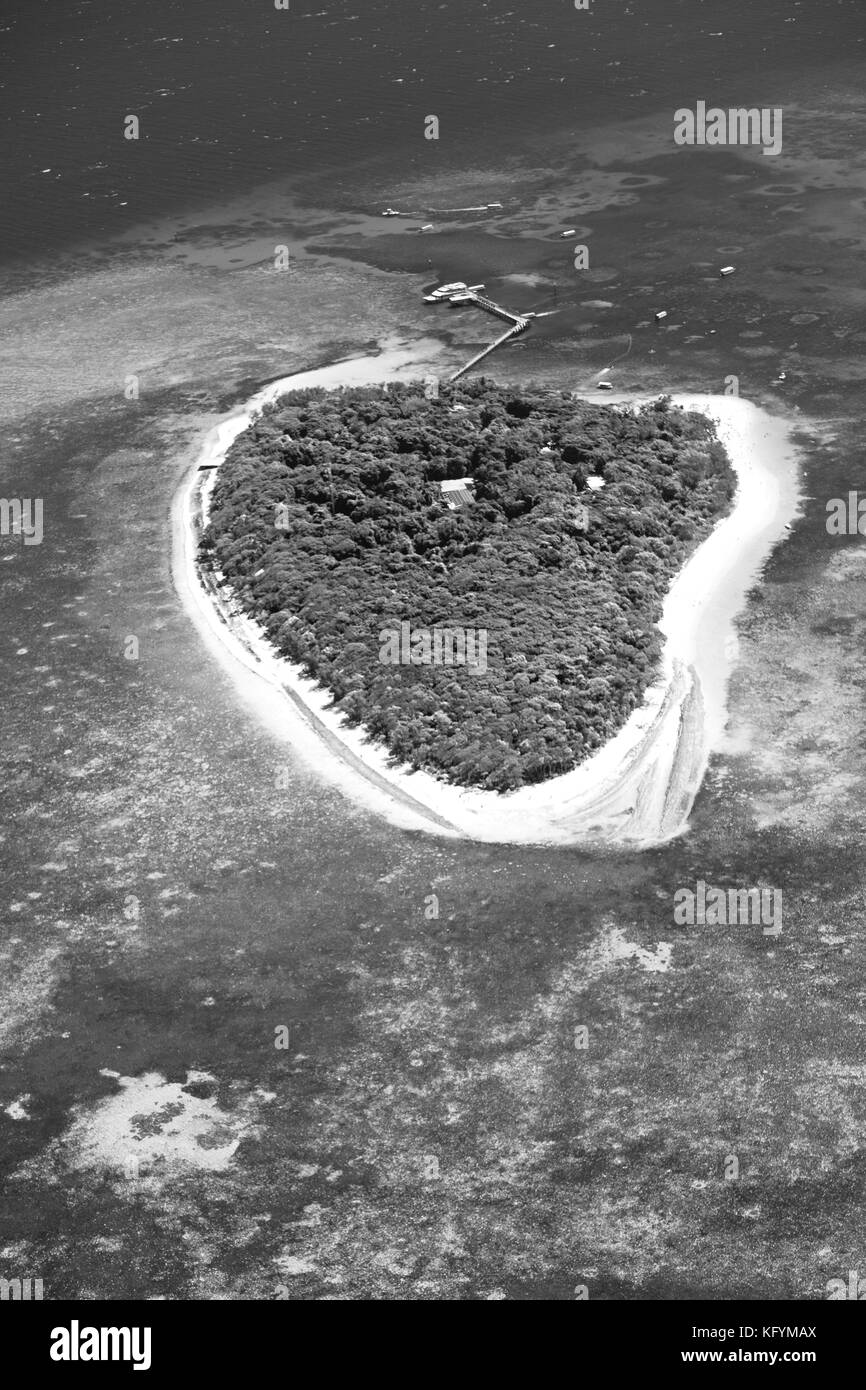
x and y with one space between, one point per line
328 521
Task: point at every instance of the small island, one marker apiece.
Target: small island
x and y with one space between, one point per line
475 577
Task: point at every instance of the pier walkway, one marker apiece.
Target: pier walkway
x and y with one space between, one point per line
519 324
511 332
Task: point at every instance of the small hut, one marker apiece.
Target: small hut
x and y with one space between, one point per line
458 492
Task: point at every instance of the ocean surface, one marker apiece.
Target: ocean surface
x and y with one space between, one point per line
230 95
176 887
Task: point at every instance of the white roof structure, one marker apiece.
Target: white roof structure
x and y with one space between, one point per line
457 492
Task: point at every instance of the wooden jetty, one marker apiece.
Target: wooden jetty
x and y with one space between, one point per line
512 332
518 324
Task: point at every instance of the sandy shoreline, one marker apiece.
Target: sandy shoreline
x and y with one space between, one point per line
639 788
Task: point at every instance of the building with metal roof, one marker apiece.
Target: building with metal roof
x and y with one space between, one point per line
458 492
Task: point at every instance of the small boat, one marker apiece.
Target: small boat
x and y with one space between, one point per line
604 386
428 227
391 212
572 231
662 314
727 270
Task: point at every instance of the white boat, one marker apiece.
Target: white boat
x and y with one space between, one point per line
459 292
662 314
727 270
445 291
571 232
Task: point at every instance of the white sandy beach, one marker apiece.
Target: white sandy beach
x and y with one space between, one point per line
639 788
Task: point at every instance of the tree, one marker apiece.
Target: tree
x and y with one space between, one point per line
368 543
